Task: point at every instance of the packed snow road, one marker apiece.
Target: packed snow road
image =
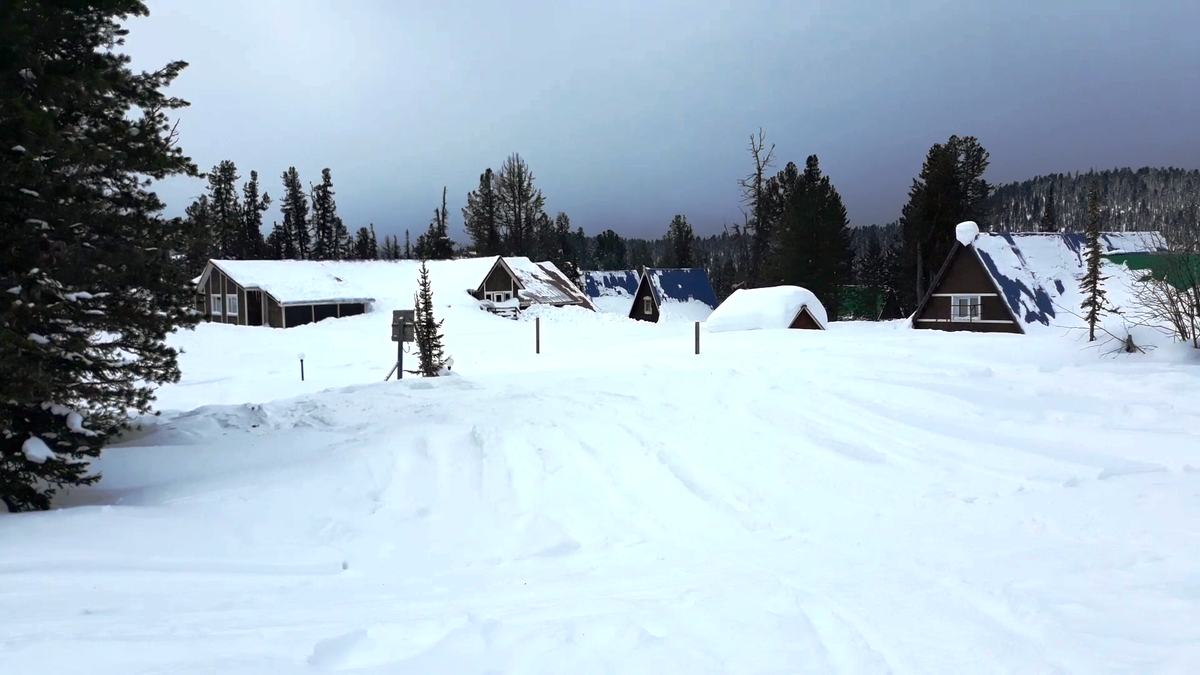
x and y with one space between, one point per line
864 500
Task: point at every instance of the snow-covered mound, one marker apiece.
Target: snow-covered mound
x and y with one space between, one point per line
765 308
966 232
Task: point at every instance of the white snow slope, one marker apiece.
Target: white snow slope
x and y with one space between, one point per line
860 500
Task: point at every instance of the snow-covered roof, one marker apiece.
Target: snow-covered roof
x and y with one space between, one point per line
610 283
544 283
302 282
1038 274
681 285
765 308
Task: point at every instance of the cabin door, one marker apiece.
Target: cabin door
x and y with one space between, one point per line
254 308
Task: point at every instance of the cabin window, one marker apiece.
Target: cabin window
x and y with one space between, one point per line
231 304
964 308
647 305
217 306
497 296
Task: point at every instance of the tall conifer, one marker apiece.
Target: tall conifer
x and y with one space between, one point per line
1092 283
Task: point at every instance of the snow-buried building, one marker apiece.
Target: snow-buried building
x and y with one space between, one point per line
289 293
1012 282
769 308
682 293
611 291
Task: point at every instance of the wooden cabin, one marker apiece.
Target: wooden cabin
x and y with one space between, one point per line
659 286
528 283
275 293
1010 282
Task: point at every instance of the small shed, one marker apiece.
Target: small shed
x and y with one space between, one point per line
682 292
1010 282
529 283
276 293
775 307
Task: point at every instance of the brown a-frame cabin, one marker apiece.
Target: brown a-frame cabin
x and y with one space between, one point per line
963 296
804 320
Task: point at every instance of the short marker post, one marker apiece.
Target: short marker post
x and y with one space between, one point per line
301 366
697 337
537 335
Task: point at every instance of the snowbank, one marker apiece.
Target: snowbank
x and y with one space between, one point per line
673 311
765 308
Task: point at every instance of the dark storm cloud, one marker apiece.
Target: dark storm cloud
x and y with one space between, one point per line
630 112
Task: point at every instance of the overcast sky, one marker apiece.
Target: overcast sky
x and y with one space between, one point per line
630 111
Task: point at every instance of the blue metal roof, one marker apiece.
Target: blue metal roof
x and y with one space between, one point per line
682 285
610 282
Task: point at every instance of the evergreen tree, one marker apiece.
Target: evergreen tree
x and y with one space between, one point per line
252 245
545 238
275 243
429 340
296 240
363 249
565 255
480 217
949 191
610 251
225 211
408 252
518 204
679 240
325 242
374 245
197 246
815 246
1092 284
1049 217
343 243
93 290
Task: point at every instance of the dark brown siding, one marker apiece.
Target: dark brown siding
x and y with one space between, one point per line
639 304
805 321
966 276
499 280
243 315
274 313
352 309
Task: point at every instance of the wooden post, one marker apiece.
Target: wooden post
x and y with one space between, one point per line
697 337
537 335
301 366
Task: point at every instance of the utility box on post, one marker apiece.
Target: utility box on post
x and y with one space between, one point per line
404 329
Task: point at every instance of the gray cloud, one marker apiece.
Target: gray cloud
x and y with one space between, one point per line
630 112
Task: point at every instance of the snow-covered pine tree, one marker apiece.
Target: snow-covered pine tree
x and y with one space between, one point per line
429 341
253 246
326 243
296 240
88 287
1092 283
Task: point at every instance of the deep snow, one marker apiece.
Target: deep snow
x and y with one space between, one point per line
868 499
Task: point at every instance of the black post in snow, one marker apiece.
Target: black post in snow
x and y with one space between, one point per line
697 337
537 335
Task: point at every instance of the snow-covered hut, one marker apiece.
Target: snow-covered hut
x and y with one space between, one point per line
682 293
611 290
528 283
278 293
767 308
1011 282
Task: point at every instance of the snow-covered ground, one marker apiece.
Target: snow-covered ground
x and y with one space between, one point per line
867 499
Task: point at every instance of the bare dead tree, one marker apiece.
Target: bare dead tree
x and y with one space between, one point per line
1168 299
754 194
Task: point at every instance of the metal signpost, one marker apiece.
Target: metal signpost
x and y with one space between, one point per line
404 329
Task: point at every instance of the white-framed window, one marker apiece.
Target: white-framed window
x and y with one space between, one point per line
231 306
647 305
217 305
964 308
497 296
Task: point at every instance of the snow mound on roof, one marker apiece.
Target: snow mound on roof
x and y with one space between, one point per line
673 311
765 309
966 232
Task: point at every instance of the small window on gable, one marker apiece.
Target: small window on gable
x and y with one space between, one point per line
217 306
231 304
647 305
964 308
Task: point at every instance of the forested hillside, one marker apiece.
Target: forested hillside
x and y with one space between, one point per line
1146 199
